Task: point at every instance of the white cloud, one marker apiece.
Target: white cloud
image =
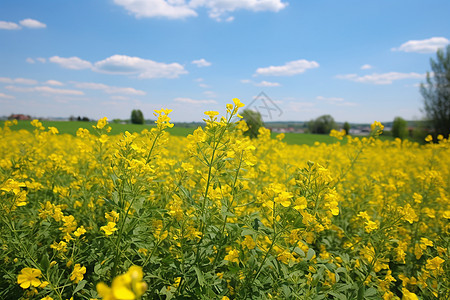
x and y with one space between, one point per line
330 99
209 94
44 89
366 67
30 23
123 65
385 78
9 25
74 63
54 82
430 45
171 9
109 89
30 60
262 83
201 63
267 84
193 101
41 59
338 101
5 96
288 69
203 85
217 9
180 9
18 80
300 106
144 68
121 98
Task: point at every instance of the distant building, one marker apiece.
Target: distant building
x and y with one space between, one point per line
19 117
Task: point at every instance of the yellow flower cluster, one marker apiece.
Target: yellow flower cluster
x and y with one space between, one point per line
217 215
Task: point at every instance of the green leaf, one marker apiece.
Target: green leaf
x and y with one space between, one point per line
247 231
370 292
201 279
44 261
80 286
299 251
310 254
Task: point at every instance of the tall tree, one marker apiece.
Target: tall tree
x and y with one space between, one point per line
399 128
436 92
137 117
322 124
346 127
254 122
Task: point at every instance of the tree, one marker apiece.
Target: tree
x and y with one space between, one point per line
399 128
137 117
346 127
436 92
254 122
322 124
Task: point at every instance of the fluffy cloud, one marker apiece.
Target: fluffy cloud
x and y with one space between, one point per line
171 9
143 68
180 9
54 82
267 84
210 94
366 67
193 101
262 83
288 69
109 89
44 89
74 63
8 25
330 99
423 46
218 8
30 23
123 65
335 101
18 80
5 96
201 63
385 78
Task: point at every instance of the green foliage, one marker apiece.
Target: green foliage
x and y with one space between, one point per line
399 128
137 117
347 127
322 124
436 92
254 122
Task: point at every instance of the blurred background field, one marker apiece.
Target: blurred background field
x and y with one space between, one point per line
71 127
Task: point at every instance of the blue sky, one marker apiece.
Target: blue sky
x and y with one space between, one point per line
359 61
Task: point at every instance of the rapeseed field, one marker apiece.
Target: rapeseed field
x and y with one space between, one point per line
217 215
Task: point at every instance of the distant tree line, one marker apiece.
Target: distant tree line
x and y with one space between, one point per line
82 119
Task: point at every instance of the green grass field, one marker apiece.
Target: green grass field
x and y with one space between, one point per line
71 127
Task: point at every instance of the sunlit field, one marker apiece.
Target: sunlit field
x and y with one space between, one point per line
217 215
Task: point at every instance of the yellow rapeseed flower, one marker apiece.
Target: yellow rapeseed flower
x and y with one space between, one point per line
101 123
232 256
77 273
29 277
127 286
109 229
